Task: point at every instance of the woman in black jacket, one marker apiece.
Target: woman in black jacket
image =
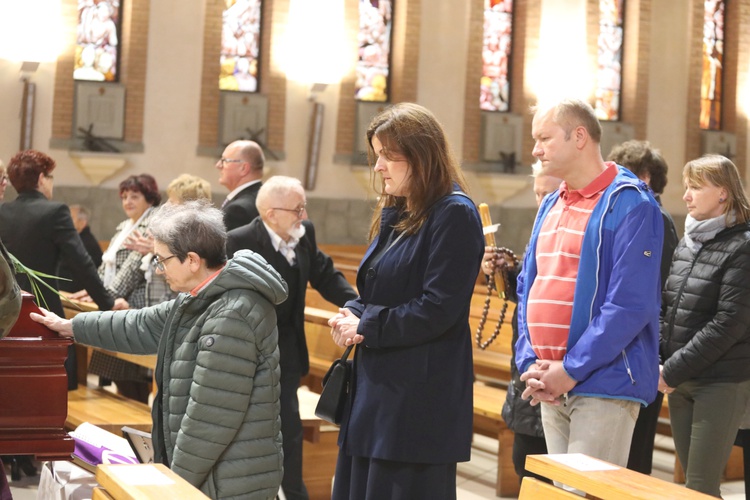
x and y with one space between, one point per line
705 325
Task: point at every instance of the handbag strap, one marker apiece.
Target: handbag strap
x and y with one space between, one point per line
346 353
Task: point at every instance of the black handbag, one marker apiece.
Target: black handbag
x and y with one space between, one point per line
336 387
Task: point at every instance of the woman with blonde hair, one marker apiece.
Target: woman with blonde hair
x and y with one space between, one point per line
409 420
705 337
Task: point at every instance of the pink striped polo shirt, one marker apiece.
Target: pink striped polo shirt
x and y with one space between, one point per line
558 253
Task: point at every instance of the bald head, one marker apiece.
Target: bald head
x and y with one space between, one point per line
241 162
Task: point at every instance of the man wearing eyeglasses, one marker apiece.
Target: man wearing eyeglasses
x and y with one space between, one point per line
286 239
240 171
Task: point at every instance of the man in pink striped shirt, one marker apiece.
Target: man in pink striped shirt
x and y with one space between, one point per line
589 291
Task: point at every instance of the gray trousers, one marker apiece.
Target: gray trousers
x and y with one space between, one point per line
705 418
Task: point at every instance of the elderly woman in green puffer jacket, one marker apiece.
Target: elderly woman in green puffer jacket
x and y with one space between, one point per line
216 416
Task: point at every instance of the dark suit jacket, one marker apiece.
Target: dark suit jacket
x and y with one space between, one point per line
241 209
413 374
315 267
40 233
95 252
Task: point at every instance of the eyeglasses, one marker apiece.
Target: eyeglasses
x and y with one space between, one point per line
223 161
50 176
299 211
159 263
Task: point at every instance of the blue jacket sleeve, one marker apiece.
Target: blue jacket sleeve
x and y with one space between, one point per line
631 297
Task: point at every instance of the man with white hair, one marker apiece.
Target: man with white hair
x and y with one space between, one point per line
286 239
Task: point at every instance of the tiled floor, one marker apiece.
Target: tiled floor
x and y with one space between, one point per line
475 479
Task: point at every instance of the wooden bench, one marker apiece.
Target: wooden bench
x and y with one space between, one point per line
493 363
602 480
488 421
106 410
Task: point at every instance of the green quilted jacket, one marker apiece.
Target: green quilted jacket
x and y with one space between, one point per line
216 416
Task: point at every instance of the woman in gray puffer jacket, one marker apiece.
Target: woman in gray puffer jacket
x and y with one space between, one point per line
216 417
705 326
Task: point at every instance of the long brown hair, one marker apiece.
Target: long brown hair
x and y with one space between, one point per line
720 172
413 132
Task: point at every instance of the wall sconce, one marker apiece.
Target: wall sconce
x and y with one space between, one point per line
30 32
27 105
315 135
315 56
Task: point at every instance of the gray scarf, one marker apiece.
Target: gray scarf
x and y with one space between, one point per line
697 232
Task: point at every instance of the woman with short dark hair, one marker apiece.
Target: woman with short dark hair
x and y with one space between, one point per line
40 233
123 273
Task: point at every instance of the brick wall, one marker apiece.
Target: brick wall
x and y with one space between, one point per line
135 21
62 110
736 55
404 64
526 22
347 112
734 78
272 78
531 12
635 66
133 57
472 113
405 58
693 106
208 128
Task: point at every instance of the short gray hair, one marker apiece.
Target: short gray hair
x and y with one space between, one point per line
572 113
194 226
278 186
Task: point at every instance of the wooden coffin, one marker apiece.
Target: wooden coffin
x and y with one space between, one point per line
33 390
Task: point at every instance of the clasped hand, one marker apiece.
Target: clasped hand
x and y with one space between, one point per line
344 328
546 381
663 387
141 243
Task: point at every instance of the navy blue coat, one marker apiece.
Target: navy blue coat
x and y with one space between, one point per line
413 374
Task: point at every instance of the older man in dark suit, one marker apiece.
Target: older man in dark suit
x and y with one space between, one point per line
286 239
240 171
40 233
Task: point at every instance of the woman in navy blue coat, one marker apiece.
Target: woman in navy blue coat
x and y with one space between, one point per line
409 418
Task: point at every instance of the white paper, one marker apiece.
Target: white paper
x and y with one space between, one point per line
582 462
97 436
139 475
490 229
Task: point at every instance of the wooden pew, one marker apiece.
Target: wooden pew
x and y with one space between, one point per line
602 480
488 420
106 410
142 482
492 364
534 489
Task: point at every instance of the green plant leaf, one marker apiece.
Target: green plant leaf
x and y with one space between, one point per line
35 279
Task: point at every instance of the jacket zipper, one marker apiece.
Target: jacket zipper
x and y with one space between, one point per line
627 367
670 328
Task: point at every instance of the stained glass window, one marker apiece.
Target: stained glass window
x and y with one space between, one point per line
494 94
240 45
374 40
97 40
713 64
609 74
